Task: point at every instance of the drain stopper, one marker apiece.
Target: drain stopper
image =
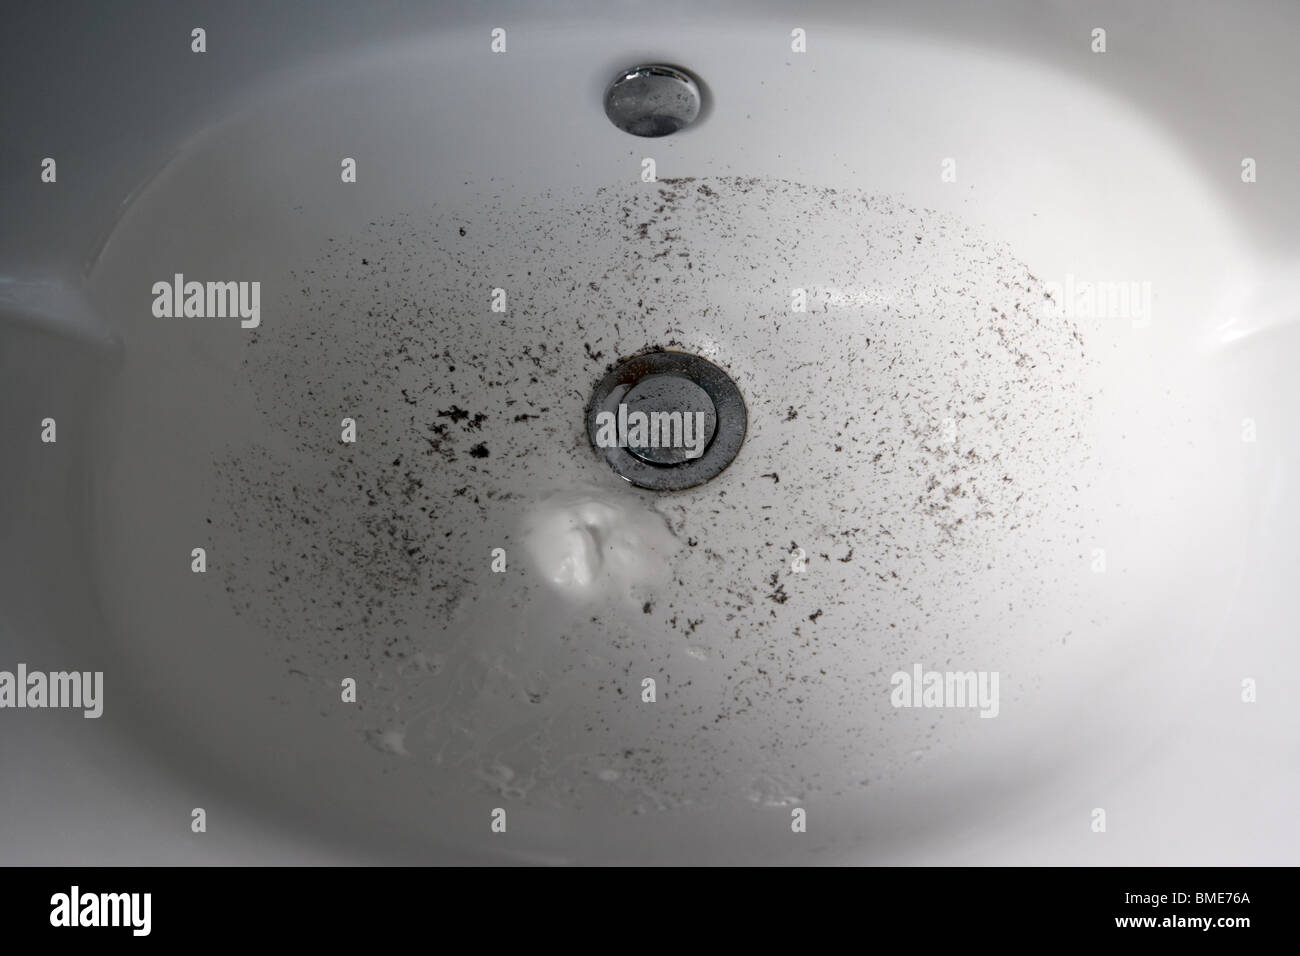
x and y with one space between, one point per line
667 420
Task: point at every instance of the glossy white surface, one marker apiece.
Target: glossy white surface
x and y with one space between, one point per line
1120 689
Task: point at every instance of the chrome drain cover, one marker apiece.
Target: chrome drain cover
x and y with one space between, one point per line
652 100
667 420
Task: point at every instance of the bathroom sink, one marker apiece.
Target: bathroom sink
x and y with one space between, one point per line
324 509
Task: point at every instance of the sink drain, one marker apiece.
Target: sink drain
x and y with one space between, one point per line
652 100
667 420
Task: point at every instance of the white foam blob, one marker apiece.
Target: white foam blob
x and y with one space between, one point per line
590 544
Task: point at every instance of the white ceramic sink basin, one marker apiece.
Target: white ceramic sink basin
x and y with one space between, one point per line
1012 331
